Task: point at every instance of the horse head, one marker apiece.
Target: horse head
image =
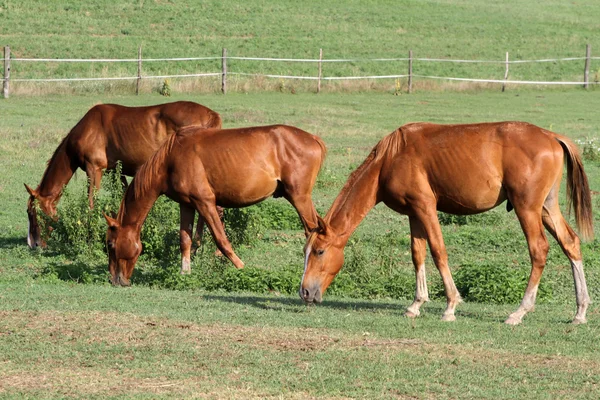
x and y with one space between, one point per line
124 247
47 206
323 259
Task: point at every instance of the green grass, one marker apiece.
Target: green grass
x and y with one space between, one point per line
96 341
70 334
298 29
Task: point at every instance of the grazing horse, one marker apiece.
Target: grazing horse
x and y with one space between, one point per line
460 169
228 168
106 134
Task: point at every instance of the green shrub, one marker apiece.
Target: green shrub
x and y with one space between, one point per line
487 283
243 225
79 230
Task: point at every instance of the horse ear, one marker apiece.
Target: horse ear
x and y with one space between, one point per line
30 191
322 225
112 223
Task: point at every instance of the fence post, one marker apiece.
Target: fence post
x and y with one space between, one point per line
139 75
320 74
505 72
224 73
6 85
410 59
586 72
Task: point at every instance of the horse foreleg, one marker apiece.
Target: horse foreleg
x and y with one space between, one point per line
531 223
211 217
431 225
186 222
418 246
94 174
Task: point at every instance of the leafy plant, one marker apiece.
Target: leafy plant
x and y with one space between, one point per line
487 283
165 89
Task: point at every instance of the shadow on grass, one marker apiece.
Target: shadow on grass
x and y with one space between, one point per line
77 271
266 303
12 242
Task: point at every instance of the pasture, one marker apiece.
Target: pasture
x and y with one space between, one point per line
457 29
65 332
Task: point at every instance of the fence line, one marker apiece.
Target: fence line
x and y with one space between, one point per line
309 60
223 73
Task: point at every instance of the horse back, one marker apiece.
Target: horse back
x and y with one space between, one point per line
249 162
470 168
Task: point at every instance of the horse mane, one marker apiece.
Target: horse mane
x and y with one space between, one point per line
60 151
144 177
215 121
323 149
389 146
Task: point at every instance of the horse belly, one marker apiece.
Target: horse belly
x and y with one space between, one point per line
474 200
244 189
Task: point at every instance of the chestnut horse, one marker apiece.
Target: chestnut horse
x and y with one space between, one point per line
460 169
106 134
228 168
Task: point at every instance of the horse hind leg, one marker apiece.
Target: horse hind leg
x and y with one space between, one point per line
186 222
570 245
418 244
531 223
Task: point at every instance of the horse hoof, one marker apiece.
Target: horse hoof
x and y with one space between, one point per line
448 317
411 314
512 321
579 321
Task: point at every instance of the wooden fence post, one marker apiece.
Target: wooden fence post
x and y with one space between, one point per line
6 85
139 75
586 72
505 72
224 73
410 59
320 70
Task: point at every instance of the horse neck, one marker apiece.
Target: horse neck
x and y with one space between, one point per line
58 173
357 198
137 203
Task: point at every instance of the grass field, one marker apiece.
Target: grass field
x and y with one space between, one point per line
297 29
61 337
66 333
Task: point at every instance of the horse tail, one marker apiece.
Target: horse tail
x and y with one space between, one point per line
144 177
578 189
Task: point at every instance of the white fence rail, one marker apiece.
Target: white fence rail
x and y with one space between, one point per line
224 73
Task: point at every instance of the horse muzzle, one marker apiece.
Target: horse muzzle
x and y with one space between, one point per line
311 295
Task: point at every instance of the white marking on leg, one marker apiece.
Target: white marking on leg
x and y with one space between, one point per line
527 304
185 266
421 293
581 292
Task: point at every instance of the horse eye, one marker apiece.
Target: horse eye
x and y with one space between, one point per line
320 252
